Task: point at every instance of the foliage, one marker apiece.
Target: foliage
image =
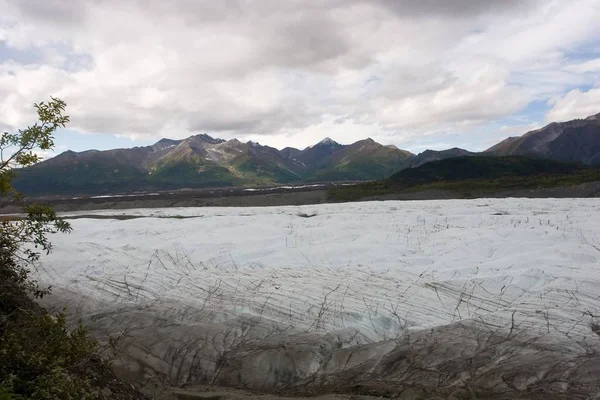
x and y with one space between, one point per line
360 191
481 167
468 177
259 172
23 240
40 358
190 174
51 178
22 145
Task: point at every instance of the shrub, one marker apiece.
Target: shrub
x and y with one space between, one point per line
40 357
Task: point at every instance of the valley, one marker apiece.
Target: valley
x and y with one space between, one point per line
294 200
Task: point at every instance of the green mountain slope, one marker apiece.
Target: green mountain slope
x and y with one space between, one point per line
203 161
473 176
481 167
363 160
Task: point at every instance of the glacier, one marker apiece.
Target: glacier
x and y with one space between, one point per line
496 294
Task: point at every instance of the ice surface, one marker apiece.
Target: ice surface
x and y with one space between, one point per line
367 272
384 266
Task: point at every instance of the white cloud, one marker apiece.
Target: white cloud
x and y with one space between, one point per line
583 67
575 104
281 72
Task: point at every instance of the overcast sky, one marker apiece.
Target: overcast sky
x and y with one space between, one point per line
417 74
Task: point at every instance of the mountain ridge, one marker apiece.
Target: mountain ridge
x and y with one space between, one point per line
577 140
203 161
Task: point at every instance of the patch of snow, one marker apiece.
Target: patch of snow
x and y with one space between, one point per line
299 162
284 187
328 142
106 196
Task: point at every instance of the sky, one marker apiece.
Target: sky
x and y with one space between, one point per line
417 74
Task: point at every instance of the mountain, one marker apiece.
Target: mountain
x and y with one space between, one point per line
435 155
204 161
577 140
478 176
482 168
363 160
314 156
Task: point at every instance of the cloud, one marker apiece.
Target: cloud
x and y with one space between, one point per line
575 104
592 65
453 9
284 70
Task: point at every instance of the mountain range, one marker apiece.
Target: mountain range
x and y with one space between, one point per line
577 141
204 161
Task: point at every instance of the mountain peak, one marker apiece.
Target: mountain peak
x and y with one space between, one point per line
209 139
367 143
328 142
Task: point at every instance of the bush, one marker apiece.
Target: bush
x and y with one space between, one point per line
40 357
